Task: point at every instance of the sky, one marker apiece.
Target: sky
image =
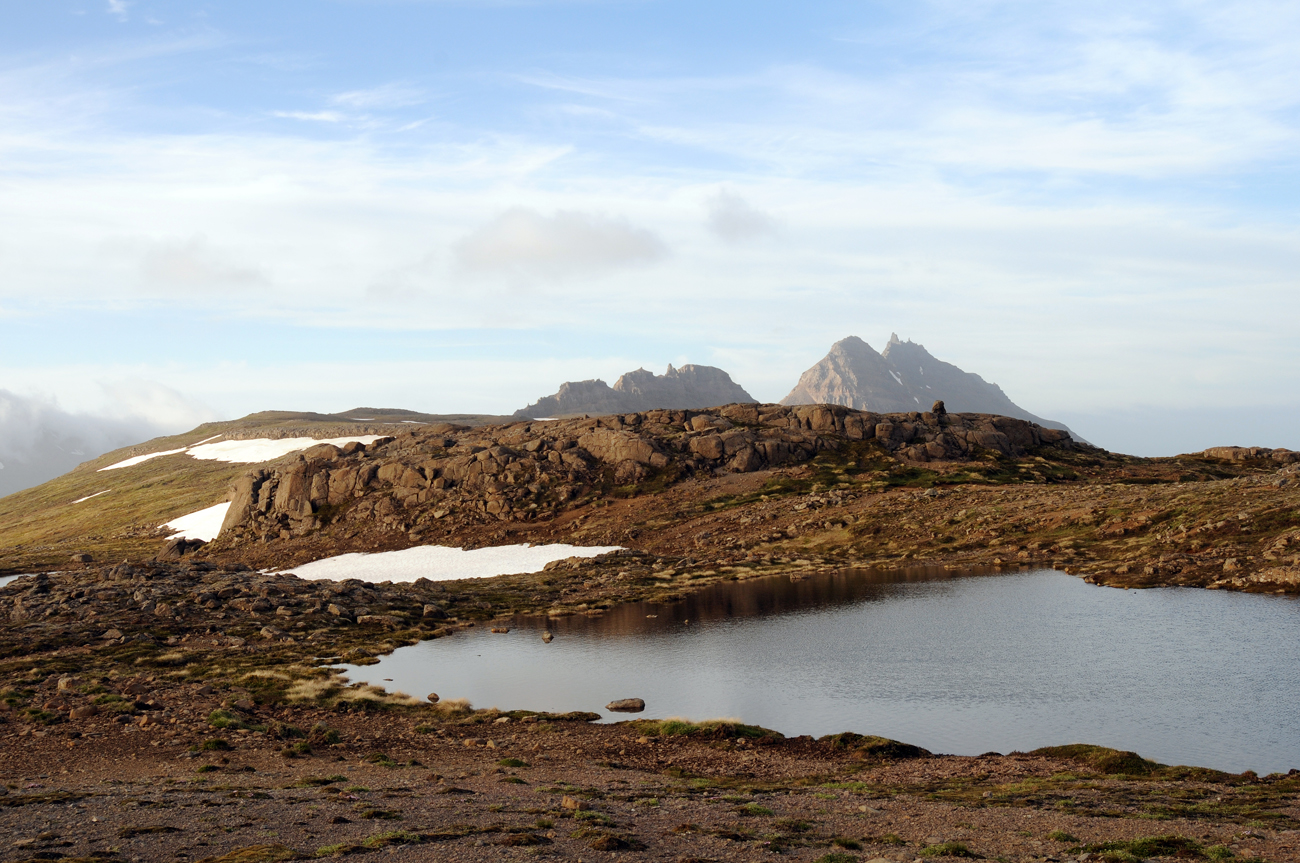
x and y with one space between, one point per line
208 209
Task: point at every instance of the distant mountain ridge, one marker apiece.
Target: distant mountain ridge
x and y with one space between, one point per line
903 377
688 388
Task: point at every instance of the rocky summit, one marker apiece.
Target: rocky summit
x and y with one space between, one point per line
903 377
690 387
442 475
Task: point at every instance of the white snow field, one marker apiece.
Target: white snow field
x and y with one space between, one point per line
245 451
204 524
440 563
266 449
89 496
140 459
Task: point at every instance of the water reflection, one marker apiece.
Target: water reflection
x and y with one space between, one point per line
753 598
952 662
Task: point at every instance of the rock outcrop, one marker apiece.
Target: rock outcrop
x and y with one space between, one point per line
527 469
904 377
690 387
1247 453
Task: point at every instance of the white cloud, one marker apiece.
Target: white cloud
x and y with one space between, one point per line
523 241
118 8
735 220
192 264
393 95
311 116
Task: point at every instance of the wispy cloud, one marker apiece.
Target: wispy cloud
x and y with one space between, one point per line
392 95
119 8
735 220
312 116
193 264
567 243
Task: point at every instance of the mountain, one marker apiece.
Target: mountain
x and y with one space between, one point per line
687 388
904 377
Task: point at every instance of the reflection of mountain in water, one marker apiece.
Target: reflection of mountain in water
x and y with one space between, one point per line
756 597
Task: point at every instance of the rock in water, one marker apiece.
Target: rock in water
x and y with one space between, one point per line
626 705
547 637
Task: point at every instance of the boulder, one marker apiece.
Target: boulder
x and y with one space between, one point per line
626 705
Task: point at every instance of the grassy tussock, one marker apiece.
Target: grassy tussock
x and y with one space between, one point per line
677 726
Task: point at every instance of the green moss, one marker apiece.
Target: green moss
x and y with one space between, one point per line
836 857
716 728
392 837
948 849
872 748
1102 759
1136 850
752 809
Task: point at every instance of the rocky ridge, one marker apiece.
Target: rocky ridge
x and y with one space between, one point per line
528 470
689 387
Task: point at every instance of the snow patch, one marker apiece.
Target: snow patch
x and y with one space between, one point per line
896 378
266 449
244 451
204 524
141 459
441 563
89 496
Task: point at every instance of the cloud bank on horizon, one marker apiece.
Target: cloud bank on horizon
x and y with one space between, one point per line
456 206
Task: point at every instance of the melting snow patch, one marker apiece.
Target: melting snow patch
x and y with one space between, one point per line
245 451
204 524
896 377
140 459
440 563
89 496
265 449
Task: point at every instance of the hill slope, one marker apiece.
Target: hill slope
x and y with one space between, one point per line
114 514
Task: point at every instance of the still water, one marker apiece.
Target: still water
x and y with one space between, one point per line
955 663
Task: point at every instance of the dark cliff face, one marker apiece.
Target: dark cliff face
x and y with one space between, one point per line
903 377
690 387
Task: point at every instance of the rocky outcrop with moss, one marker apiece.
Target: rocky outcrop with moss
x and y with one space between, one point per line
530 469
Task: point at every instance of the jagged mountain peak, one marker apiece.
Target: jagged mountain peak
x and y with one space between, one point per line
904 377
689 387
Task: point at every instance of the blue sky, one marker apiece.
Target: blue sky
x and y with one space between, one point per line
208 209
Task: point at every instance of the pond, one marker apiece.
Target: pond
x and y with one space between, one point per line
955 662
